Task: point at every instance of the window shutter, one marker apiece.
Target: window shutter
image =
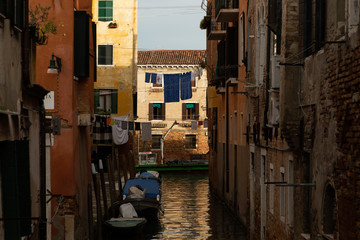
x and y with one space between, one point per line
114 101
96 100
22 149
81 44
196 111
151 111
3 8
19 14
162 111
93 25
183 114
15 178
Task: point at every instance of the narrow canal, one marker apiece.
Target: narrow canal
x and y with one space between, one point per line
191 212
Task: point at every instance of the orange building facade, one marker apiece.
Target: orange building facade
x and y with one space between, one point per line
69 108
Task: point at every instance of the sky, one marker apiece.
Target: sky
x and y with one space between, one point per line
170 25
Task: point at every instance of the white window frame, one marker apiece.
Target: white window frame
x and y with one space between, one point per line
282 195
271 189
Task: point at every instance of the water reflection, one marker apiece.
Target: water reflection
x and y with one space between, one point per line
190 212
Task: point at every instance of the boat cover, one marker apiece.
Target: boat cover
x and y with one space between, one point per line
127 211
150 185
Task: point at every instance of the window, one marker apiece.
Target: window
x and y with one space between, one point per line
105 54
320 23
353 15
156 111
235 127
271 186
230 129
282 193
329 213
242 39
290 190
16 197
190 111
155 144
190 141
105 10
3 8
105 100
308 9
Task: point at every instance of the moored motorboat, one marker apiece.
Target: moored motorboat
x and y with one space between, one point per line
145 197
123 221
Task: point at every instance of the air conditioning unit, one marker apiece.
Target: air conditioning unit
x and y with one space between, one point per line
275 71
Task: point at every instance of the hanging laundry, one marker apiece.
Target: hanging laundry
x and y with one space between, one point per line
159 78
124 125
206 123
131 125
193 125
120 135
101 131
153 77
146 131
147 77
171 87
193 77
186 90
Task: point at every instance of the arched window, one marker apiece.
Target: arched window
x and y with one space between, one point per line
329 207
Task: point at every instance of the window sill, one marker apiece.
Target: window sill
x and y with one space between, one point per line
305 236
327 236
157 89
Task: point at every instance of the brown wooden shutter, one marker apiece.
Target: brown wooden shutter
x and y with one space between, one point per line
196 111
183 114
151 111
163 111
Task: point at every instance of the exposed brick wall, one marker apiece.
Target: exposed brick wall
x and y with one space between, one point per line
344 83
174 145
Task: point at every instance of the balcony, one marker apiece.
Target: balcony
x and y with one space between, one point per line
227 10
216 31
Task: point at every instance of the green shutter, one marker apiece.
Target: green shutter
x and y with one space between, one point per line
114 101
105 10
96 100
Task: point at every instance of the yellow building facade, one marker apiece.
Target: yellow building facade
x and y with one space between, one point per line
116 39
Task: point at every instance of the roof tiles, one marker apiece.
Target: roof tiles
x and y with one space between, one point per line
171 57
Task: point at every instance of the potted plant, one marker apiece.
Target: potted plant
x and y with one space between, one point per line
112 25
205 22
39 25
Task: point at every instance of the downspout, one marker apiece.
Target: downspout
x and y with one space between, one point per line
267 87
227 138
43 221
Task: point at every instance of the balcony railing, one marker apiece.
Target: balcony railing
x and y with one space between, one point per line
226 10
216 31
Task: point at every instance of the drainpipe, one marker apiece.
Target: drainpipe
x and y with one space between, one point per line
267 86
227 136
42 222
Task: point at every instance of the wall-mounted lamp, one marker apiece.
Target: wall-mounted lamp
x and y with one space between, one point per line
55 65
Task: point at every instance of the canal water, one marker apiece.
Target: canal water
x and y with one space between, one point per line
191 212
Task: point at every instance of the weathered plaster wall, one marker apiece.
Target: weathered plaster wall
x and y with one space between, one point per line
10 68
122 74
174 142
